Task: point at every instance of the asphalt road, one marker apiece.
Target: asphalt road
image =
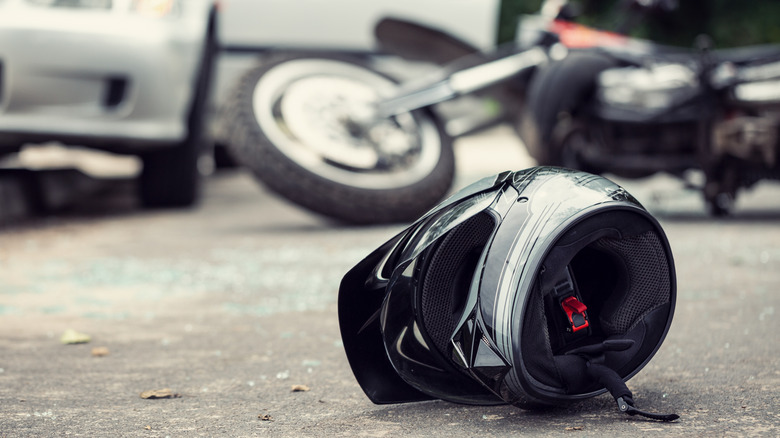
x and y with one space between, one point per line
232 304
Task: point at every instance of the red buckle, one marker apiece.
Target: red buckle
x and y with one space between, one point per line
576 312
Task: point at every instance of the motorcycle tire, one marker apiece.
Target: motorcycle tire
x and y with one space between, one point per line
555 94
294 123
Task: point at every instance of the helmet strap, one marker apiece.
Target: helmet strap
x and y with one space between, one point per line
610 379
626 404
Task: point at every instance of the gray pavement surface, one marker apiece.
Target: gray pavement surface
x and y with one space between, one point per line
232 304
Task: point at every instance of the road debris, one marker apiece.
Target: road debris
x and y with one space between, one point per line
100 352
159 393
71 336
300 388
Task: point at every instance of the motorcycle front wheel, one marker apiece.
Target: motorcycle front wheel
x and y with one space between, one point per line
302 124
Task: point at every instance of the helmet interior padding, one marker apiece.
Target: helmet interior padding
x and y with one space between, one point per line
623 276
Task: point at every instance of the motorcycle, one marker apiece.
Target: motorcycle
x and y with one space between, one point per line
342 138
633 108
330 131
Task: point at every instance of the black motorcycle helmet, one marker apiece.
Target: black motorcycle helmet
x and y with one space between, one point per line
535 288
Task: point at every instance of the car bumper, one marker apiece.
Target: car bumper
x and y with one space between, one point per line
98 78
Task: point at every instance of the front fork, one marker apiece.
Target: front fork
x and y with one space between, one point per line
462 82
444 86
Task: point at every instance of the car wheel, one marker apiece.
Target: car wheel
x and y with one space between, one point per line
171 177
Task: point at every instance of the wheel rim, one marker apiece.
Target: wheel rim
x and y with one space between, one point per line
310 110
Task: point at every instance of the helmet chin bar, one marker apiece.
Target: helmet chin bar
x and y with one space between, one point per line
474 351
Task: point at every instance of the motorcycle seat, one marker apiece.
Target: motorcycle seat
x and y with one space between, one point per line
749 54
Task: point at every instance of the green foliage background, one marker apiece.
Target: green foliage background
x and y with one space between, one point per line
729 23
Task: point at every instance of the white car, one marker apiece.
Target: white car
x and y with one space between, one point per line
127 76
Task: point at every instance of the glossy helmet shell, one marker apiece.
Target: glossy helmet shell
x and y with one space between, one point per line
465 304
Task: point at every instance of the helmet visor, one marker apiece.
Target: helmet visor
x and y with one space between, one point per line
381 334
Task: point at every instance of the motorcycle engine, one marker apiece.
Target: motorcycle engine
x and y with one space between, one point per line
652 89
751 138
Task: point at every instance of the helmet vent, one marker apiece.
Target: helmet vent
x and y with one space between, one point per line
447 276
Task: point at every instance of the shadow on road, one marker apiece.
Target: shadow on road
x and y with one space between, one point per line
31 196
35 197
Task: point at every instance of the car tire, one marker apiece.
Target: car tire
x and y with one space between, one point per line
171 177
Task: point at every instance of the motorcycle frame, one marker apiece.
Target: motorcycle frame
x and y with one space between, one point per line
544 37
460 83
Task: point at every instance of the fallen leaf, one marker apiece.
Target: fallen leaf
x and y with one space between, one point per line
71 336
148 427
300 388
574 428
100 351
159 393
265 417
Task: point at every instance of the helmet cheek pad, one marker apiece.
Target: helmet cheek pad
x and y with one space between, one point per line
537 287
